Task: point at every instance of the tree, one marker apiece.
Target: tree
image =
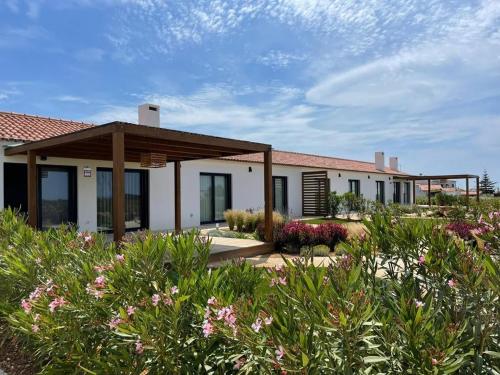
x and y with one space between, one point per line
486 186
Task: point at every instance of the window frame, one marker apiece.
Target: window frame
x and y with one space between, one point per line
144 183
357 187
285 193
72 193
229 195
380 196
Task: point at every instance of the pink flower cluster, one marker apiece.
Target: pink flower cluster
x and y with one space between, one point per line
56 303
27 304
115 321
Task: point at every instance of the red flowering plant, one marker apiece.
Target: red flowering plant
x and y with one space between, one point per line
329 234
296 234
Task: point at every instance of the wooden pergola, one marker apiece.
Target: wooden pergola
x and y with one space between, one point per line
123 142
429 178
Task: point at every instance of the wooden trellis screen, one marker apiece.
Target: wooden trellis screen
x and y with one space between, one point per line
315 191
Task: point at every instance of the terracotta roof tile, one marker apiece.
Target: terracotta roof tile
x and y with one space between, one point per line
20 127
314 161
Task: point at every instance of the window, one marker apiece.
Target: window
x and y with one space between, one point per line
354 187
56 193
397 192
15 186
56 196
380 191
136 199
406 193
215 197
280 194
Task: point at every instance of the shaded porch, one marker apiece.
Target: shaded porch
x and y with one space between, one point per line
121 142
430 178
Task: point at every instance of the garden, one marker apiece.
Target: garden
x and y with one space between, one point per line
419 297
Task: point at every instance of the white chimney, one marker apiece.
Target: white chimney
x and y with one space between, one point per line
379 160
149 114
393 163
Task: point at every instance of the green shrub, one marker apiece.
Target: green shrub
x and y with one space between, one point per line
408 297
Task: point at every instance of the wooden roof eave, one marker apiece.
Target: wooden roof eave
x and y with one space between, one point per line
194 146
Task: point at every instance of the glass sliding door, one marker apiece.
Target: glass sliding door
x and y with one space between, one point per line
221 198
206 203
280 194
354 187
397 192
406 193
381 191
56 196
215 197
136 199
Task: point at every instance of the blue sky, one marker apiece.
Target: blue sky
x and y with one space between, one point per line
417 79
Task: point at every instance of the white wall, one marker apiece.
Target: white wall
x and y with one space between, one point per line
247 187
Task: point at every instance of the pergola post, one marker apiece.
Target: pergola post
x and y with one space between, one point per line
477 189
32 190
118 185
429 192
268 195
414 193
467 192
177 196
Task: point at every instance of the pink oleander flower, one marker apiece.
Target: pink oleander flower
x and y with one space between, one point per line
278 267
208 312
227 313
87 238
155 299
36 294
257 325
434 361
130 310
212 301
120 258
239 363
419 304
208 328
35 328
174 290
100 282
139 348
452 283
168 301
26 305
273 282
280 352
36 318
268 321
421 260
282 280
114 322
56 303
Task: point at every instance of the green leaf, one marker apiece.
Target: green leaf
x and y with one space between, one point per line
374 359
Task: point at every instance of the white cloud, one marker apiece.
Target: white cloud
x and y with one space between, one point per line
462 65
277 59
71 99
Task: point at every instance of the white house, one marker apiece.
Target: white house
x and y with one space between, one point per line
79 189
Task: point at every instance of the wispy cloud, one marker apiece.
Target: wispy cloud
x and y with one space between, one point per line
72 99
277 59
